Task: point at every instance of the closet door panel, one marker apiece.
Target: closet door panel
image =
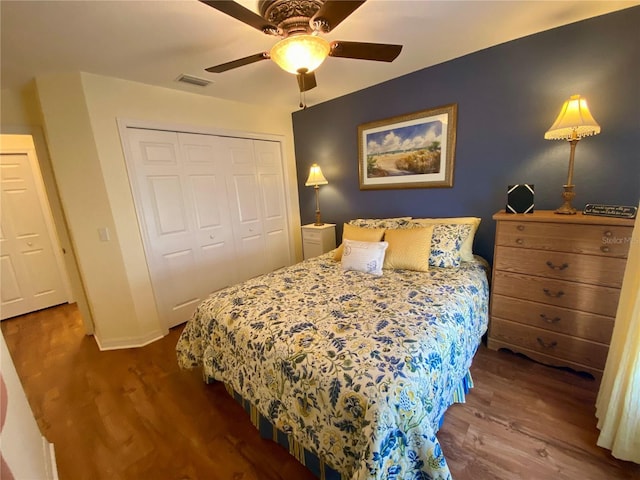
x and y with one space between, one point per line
166 202
171 176
179 288
272 189
162 202
163 206
205 167
246 208
212 212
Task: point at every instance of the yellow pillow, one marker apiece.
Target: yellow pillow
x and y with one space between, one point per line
360 234
466 249
409 248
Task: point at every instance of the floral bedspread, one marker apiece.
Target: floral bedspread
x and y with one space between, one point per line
358 368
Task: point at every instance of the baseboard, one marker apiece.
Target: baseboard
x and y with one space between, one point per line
128 342
50 464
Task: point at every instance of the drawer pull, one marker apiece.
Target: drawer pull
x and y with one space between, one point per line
544 344
548 293
549 319
520 227
605 249
550 264
519 241
608 233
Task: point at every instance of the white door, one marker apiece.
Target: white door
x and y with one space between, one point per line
245 201
272 190
31 273
205 170
180 196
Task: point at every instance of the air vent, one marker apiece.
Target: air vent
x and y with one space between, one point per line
200 82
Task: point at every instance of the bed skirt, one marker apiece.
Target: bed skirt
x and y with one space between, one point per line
307 458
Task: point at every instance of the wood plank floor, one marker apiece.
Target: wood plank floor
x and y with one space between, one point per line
133 414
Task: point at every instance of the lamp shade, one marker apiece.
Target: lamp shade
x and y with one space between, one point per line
300 52
574 121
315 177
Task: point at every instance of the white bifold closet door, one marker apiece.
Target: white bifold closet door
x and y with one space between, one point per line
256 196
211 210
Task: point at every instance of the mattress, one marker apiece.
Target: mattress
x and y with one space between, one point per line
354 368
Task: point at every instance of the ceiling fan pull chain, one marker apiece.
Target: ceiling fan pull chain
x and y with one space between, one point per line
303 100
303 91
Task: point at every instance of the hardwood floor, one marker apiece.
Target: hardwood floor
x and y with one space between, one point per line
133 414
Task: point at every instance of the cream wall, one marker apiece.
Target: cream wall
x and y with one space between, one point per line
80 114
21 127
19 107
28 454
86 205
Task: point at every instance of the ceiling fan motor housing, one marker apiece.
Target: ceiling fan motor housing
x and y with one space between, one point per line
299 22
291 16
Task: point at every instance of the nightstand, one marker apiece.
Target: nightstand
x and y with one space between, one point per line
318 239
556 283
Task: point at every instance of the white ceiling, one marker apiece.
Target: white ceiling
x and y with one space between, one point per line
154 41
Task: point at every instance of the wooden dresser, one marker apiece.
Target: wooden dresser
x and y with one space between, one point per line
556 283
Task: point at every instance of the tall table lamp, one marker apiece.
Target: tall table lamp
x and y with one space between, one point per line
316 178
574 122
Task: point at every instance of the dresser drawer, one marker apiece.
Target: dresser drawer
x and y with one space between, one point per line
318 239
606 240
576 296
562 320
312 235
554 344
592 269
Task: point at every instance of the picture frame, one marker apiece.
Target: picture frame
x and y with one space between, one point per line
416 150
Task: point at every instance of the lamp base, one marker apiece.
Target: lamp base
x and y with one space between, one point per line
567 195
318 221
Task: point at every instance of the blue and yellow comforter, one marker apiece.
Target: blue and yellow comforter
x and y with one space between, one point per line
356 368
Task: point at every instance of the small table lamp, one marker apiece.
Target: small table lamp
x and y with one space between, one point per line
573 123
316 178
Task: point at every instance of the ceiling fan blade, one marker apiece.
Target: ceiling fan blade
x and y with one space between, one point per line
380 52
241 62
333 12
243 14
306 81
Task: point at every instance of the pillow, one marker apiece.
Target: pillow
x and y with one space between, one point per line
446 242
365 257
409 249
466 251
358 233
396 222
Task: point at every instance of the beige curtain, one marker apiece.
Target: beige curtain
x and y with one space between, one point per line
618 402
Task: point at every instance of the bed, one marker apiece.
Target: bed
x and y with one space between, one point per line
354 371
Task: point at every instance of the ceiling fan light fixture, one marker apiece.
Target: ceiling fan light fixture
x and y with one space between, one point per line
300 52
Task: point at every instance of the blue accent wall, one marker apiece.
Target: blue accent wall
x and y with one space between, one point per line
507 97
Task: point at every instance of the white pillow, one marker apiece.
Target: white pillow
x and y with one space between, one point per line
365 257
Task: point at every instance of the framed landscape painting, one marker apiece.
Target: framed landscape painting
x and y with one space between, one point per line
416 150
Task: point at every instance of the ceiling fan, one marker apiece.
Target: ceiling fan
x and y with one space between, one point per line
300 24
